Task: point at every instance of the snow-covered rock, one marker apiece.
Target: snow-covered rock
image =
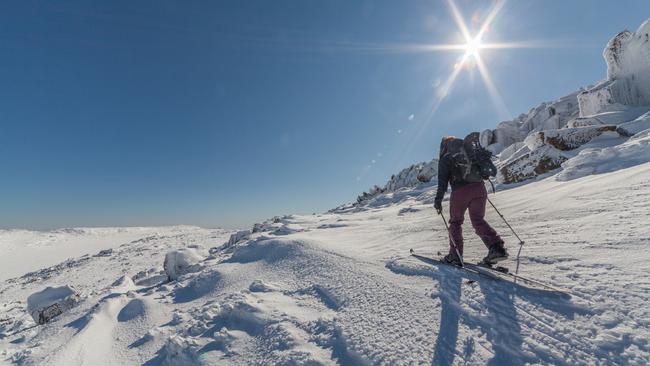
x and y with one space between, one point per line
240 235
506 153
628 73
412 176
632 152
535 162
543 151
584 122
546 116
51 302
572 138
633 127
181 261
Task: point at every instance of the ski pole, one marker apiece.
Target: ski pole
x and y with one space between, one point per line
521 242
453 242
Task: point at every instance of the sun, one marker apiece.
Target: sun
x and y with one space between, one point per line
472 47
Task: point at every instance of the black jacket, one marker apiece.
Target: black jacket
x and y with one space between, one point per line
448 173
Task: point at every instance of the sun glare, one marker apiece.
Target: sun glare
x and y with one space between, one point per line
472 47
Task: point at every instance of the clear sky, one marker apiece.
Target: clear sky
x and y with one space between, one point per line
224 113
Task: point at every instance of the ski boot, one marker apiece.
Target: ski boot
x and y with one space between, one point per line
452 259
497 253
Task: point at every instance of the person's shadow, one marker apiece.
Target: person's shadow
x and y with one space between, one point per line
449 317
501 326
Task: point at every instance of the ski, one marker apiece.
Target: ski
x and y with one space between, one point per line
529 281
495 273
467 267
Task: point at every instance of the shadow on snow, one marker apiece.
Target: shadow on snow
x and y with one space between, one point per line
501 325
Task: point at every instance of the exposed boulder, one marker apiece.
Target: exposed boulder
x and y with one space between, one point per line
51 302
530 164
541 151
181 261
572 138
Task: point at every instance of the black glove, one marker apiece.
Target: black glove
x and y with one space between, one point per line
437 204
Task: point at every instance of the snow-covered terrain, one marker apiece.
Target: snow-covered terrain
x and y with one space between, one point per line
341 288
23 250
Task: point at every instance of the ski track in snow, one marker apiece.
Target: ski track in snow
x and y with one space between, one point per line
340 288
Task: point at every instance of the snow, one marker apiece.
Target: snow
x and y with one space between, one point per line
341 288
24 250
590 161
633 127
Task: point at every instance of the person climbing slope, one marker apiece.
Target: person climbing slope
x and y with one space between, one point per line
459 167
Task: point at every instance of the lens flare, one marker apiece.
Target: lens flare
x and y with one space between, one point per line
472 47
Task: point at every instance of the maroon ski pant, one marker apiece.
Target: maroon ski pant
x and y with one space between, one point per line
472 197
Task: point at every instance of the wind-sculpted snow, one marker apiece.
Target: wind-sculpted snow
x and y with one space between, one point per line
342 289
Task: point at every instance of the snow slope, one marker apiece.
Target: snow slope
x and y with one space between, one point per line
340 288
24 250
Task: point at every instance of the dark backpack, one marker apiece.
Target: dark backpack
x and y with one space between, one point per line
472 162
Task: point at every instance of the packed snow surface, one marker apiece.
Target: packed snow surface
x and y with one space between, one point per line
24 250
341 288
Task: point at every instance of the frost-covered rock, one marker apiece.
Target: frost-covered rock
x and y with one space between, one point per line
541 151
633 127
546 116
572 138
506 153
238 236
635 150
51 302
532 143
412 176
628 73
181 261
530 164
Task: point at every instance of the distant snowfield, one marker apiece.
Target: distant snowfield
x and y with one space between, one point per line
341 288
23 251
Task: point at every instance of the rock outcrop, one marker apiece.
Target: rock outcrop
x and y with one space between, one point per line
51 302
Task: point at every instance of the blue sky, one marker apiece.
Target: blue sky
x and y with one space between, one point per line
223 113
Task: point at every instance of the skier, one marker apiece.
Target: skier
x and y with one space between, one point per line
465 195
